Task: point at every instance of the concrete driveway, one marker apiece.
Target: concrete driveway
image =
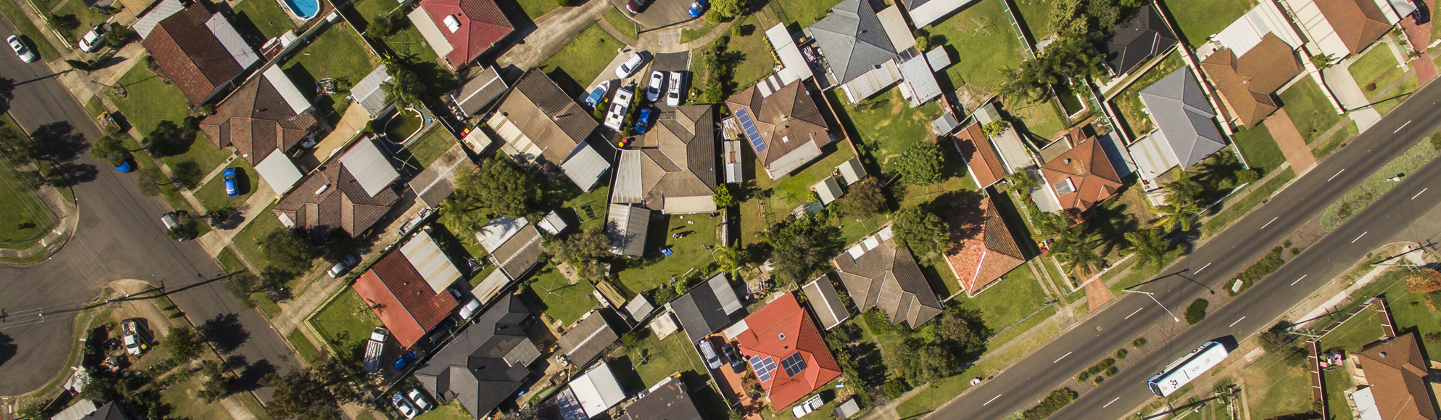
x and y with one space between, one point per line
657 13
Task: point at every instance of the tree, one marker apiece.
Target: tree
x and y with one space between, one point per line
33 411
287 250
1196 311
166 139
118 35
299 394
109 149
922 163
922 363
499 187
1062 62
1324 61
923 40
183 343
19 149
728 258
863 200
1150 247
185 230
1077 250
802 247
1021 182
722 197
1175 216
727 9
405 86
582 250
995 128
927 235
64 23
241 285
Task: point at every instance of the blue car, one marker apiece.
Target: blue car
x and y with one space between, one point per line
643 123
125 166
404 360
697 9
230 189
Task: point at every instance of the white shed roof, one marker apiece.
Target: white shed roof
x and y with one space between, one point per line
552 223
151 19
597 390
490 286
231 40
1246 32
585 166
494 234
827 190
793 64
278 171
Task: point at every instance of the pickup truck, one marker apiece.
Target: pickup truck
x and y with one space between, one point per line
618 107
373 349
134 341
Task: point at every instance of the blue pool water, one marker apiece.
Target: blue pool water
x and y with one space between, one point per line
304 9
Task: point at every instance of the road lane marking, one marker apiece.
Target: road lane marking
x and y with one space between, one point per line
1334 176
1113 401
1299 280
988 402
1138 310
1359 237
1234 323
1273 219
1418 193
1062 357
1398 129
1198 271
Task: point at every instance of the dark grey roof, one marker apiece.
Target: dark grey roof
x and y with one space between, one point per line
704 310
628 226
1144 35
587 339
852 39
519 253
913 4
474 368
667 400
479 91
1184 117
114 410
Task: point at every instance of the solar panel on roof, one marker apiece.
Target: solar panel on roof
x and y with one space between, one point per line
794 364
752 133
763 367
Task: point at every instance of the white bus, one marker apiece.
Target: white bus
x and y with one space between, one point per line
1187 368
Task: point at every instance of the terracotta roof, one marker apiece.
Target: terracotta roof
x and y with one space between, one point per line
886 276
982 248
1092 178
482 24
1397 373
342 205
257 120
783 329
1248 82
543 112
190 54
790 114
981 158
401 298
1357 22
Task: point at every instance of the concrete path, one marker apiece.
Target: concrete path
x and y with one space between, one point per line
1289 139
553 30
1350 95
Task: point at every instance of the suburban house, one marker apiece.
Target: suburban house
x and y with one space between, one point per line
477 92
1013 152
349 194
983 163
674 171
853 40
1248 30
1392 377
263 121
590 394
540 123
436 182
878 273
706 308
197 48
926 12
982 247
1344 27
1082 176
460 30
587 339
785 129
666 400
369 94
826 302
486 363
1186 132
514 246
786 351
401 295
1136 40
628 226
1248 82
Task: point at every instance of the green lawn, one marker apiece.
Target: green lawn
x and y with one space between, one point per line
1309 109
302 346
167 189
981 33
370 9
886 125
1341 136
1375 70
1386 101
452 411
664 358
1337 383
1259 148
536 8
782 196
801 12
345 323
1235 208
580 61
549 292
1198 19
1036 15
431 145
756 60
1129 100
1017 295
184 400
149 101
689 252
1041 119
1377 184
267 16
1355 333
212 194
247 241
1277 388
28 30
88 18
628 27
25 217
338 54
942 391
686 34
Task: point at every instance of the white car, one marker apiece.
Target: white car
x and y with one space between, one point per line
419 399
402 405
469 309
618 107
134 342
92 40
808 406
657 82
629 66
20 49
672 97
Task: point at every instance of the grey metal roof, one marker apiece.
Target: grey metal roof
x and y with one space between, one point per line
162 10
114 410
278 171
921 80
231 40
666 400
628 226
707 309
368 93
437 181
639 307
944 125
370 166
826 302
1180 111
479 91
585 166
474 367
587 339
852 39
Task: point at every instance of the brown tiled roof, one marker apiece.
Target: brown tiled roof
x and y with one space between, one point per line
1090 172
190 54
788 113
982 248
1248 82
1397 373
888 277
401 298
343 205
680 156
1357 22
981 158
257 120
543 112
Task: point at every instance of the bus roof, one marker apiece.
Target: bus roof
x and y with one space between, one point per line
1196 363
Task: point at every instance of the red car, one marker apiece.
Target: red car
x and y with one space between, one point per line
635 5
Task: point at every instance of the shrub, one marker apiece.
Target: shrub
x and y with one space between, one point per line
1197 311
1054 402
1138 342
1121 354
1100 379
877 322
895 387
1083 376
1112 371
1265 266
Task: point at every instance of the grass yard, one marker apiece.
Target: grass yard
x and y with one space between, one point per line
1376 185
212 194
247 241
801 12
88 18
1041 119
689 252
983 35
686 34
149 101
1234 208
27 28
338 54
581 60
1389 100
345 323
370 9
431 145
1338 381
779 197
1199 19
560 301
1017 295
266 16
590 207
25 218
302 346
1129 100
452 411
167 189
536 8
1309 109
1341 136
1259 148
184 400
756 59
1355 333
1036 15
628 27
1375 71
886 125
664 358
1277 388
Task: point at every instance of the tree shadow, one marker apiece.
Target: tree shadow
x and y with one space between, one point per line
59 141
249 379
225 332
71 174
8 349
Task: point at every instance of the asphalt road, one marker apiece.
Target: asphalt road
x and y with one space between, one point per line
119 237
1204 271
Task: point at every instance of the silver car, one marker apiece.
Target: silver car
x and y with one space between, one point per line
92 40
21 50
708 353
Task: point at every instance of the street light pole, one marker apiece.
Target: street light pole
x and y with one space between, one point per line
1153 299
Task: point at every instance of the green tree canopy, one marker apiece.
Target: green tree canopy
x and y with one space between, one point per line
184 343
922 163
863 200
500 187
802 247
926 234
1150 246
300 394
288 250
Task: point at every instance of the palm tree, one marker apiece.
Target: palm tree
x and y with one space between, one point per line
1150 247
1175 215
728 258
1220 168
404 86
1183 189
1076 250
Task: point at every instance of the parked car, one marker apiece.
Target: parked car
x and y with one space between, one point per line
403 405
404 360
729 352
469 308
619 105
134 338
634 6
708 353
345 264
92 40
697 9
630 65
1422 15
442 329
808 406
672 97
20 49
652 89
642 123
419 399
125 167
595 95
230 189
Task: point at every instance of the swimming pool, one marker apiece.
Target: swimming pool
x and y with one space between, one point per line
303 9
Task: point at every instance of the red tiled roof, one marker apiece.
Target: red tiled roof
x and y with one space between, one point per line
1397 374
257 120
982 161
1357 22
401 298
982 248
780 330
482 24
190 54
1090 172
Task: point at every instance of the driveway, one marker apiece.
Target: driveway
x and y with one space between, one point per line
1289 139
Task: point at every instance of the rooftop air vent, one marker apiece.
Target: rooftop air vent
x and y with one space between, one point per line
452 23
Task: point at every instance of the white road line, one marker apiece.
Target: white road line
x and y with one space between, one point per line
1138 310
1398 129
1337 173
1198 271
1418 193
1234 323
1359 237
1113 401
988 402
1062 357
1299 280
1273 219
